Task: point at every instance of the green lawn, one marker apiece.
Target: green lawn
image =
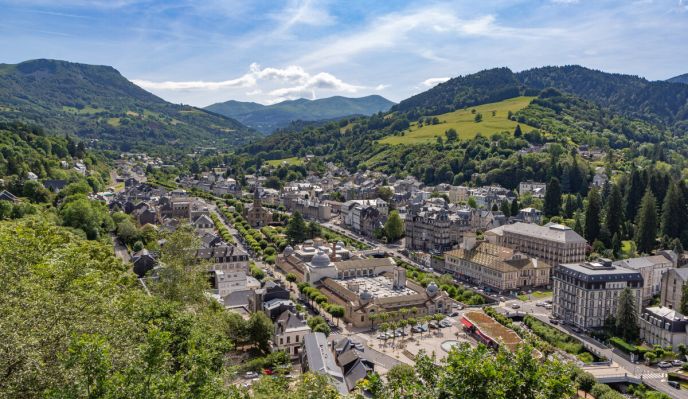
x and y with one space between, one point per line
463 122
114 122
288 161
535 295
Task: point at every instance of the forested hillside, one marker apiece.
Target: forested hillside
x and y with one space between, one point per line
99 104
632 96
267 118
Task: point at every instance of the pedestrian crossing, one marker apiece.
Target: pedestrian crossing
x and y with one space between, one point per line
654 376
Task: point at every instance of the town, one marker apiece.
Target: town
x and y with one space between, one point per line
377 269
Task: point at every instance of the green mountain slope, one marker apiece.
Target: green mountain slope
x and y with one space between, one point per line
271 117
656 102
679 79
99 104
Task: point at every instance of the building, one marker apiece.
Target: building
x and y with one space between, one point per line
354 367
228 265
143 261
310 209
290 329
536 189
203 222
586 294
488 331
364 216
529 215
552 243
255 214
663 326
671 287
651 268
429 228
316 357
501 268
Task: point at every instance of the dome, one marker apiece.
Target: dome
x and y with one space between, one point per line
432 289
340 244
288 250
320 259
365 296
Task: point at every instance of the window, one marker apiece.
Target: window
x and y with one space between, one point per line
288 340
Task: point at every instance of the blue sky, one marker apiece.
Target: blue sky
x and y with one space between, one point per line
201 52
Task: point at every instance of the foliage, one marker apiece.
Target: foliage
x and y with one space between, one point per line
646 235
627 316
394 226
553 336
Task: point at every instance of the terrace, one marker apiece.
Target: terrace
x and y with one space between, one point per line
490 331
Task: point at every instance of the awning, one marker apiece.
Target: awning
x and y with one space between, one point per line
466 323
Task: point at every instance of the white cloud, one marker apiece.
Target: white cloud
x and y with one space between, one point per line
565 1
303 12
433 81
279 83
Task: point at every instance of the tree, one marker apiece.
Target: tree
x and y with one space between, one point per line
517 131
91 217
553 198
585 381
514 207
646 234
394 226
296 229
385 193
181 277
673 212
505 208
626 316
451 134
478 117
614 212
260 329
314 230
592 216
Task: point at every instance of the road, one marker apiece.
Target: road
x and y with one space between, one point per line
121 250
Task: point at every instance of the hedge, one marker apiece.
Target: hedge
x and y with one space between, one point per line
624 346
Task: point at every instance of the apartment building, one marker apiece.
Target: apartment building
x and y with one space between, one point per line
586 294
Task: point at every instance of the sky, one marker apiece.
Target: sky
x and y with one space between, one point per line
207 51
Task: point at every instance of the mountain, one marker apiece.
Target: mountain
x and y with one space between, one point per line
268 118
98 103
632 96
679 79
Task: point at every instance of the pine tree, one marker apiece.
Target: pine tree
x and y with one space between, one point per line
504 207
517 131
514 207
616 244
552 198
646 234
614 211
592 216
634 194
296 229
626 316
569 206
673 212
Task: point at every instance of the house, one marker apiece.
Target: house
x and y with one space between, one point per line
145 215
536 189
55 185
143 261
651 268
586 294
529 215
290 331
364 216
8 196
316 357
663 326
671 287
353 366
203 222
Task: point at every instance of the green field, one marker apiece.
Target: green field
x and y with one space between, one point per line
87 110
463 122
288 161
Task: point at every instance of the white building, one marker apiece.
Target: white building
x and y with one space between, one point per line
651 268
586 294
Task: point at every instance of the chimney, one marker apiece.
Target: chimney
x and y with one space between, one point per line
333 255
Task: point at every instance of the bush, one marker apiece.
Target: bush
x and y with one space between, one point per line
623 345
554 337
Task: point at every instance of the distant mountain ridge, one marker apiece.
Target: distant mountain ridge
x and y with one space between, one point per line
268 118
657 102
679 79
98 103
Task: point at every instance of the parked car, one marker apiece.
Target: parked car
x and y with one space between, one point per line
454 314
250 375
676 363
548 306
515 306
433 324
502 299
382 336
664 365
424 327
358 346
553 320
445 323
540 303
674 384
